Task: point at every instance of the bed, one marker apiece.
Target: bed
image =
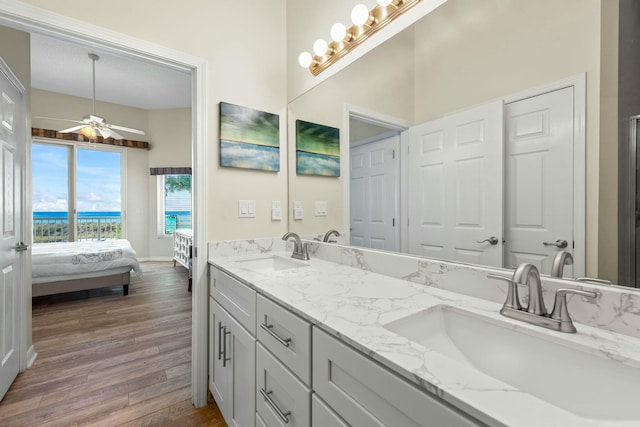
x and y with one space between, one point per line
75 266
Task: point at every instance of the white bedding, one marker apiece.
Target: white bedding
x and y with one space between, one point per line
72 258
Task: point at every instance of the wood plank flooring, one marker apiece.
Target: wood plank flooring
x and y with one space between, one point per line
109 360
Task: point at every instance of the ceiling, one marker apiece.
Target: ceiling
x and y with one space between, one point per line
63 67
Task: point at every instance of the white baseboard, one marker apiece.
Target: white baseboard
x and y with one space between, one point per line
155 259
31 356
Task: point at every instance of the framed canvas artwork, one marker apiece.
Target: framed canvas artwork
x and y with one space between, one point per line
317 149
249 139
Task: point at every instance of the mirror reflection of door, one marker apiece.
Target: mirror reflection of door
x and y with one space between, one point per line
539 179
374 183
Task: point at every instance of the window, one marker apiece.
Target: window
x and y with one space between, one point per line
174 199
77 192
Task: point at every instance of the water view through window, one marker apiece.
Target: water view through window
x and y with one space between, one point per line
97 188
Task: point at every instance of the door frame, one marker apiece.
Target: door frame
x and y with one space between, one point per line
579 84
378 119
628 207
32 19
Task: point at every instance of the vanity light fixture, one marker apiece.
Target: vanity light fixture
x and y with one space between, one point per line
365 23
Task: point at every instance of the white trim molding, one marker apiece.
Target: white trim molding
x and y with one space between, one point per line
29 18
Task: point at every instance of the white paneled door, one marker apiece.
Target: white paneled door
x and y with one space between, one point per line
455 186
373 194
12 111
539 179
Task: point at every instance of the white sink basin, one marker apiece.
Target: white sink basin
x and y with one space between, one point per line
270 263
585 384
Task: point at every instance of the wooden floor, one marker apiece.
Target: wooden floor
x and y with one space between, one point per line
109 360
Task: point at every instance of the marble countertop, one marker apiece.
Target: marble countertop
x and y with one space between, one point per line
353 305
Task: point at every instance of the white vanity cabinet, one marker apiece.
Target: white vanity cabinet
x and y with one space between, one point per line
283 366
364 393
232 350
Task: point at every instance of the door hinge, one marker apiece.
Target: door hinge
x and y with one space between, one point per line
407 222
574 244
393 154
393 222
195 251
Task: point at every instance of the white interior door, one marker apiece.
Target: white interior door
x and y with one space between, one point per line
374 199
539 184
455 186
12 113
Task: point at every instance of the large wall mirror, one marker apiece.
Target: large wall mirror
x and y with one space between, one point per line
462 62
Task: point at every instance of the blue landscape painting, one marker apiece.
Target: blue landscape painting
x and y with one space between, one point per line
249 138
317 149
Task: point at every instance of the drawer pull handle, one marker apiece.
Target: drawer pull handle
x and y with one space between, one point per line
219 340
225 359
284 416
269 328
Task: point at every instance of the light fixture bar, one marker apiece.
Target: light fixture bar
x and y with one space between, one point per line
379 17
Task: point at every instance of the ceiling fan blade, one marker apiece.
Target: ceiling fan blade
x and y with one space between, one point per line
139 132
108 133
54 118
72 129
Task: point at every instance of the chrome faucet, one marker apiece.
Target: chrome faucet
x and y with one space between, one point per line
561 259
328 235
300 250
528 275
536 313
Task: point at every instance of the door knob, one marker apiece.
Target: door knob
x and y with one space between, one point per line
558 243
20 247
493 240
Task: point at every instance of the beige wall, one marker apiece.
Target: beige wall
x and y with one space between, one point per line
244 44
607 225
170 131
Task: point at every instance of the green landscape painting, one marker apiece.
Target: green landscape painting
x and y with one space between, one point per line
249 138
317 149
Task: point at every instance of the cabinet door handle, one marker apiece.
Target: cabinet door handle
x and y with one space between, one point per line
269 328
219 340
225 359
284 416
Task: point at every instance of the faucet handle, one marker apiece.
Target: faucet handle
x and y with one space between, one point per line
560 311
512 301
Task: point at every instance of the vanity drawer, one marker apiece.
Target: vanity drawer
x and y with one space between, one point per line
281 398
286 335
364 393
235 297
323 416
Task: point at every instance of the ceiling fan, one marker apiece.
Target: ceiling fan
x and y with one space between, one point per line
94 125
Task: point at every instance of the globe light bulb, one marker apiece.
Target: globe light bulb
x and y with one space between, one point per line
320 47
305 59
359 15
384 3
338 32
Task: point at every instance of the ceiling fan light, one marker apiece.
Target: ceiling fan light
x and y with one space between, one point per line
89 132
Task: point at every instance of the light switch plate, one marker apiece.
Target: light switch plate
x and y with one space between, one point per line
246 208
321 208
298 212
276 210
